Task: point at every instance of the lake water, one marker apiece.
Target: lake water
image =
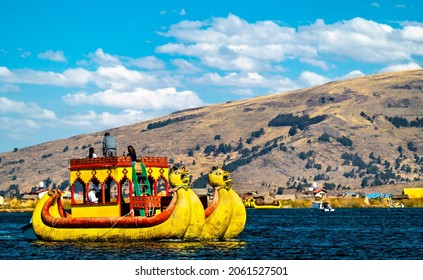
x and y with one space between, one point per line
283 234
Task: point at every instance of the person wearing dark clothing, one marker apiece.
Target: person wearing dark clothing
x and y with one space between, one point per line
132 153
91 153
109 145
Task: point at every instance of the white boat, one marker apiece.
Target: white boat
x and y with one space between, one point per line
320 205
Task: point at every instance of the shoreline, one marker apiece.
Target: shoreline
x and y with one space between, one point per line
13 210
284 207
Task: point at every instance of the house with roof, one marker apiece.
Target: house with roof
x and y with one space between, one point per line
34 194
319 193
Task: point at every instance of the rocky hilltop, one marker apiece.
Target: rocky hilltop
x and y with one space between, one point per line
358 134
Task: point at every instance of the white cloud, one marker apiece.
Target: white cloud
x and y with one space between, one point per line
8 106
312 79
104 120
119 77
9 88
148 62
185 66
315 62
413 33
57 56
352 74
5 72
400 67
29 110
138 99
233 44
104 59
18 129
358 39
245 79
70 77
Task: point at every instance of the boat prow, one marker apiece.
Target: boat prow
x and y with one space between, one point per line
226 216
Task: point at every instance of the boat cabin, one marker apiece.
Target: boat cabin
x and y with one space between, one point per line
122 187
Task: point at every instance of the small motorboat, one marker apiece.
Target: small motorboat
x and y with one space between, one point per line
322 205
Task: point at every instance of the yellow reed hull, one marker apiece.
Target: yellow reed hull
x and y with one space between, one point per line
252 204
228 219
181 224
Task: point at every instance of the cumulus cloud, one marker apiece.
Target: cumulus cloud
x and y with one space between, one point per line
413 33
18 128
29 110
233 44
400 67
57 56
312 79
115 77
104 120
352 74
315 62
148 62
119 77
101 58
9 88
69 77
185 66
138 99
251 79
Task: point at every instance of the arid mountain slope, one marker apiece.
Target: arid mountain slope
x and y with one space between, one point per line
351 134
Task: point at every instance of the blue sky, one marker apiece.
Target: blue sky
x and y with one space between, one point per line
74 67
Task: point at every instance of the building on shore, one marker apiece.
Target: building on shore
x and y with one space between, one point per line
413 192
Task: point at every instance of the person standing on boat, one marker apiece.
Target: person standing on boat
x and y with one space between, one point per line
92 197
109 145
91 153
132 153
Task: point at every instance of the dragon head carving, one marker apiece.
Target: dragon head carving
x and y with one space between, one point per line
179 177
219 177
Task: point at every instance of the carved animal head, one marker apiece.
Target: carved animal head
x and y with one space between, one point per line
179 176
219 177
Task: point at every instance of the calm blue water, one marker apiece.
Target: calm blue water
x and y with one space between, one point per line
284 234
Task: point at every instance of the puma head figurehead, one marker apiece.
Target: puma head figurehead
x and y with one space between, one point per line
219 177
179 177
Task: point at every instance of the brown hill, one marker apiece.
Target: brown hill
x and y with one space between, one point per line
350 134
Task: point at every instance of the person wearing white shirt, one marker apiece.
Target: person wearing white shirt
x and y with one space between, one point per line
92 198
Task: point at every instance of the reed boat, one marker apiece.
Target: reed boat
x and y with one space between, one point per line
225 217
135 203
252 203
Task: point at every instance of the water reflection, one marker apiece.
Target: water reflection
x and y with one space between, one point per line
175 249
